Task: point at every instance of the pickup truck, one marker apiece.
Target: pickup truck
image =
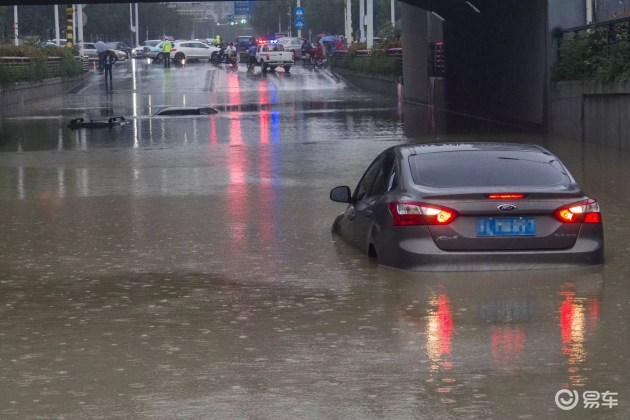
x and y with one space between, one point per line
270 55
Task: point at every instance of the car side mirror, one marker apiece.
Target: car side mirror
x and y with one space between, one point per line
341 194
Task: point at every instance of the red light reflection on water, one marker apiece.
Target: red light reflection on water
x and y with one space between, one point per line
213 130
234 86
578 317
439 331
508 343
263 99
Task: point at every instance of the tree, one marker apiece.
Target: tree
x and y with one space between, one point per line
107 22
321 16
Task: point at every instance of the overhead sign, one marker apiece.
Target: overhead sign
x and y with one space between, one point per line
298 23
298 12
244 8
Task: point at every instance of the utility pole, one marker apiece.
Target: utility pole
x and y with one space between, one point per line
136 26
349 21
57 35
589 12
361 20
299 34
393 13
15 24
370 23
80 27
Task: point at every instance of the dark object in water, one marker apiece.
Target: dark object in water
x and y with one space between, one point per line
186 110
81 123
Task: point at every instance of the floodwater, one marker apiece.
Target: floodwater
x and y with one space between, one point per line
184 267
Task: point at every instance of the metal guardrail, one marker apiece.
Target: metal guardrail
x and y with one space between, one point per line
594 52
596 25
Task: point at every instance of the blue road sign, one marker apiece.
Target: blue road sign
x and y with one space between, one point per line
298 12
298 23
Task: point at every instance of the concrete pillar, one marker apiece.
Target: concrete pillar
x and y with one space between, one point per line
415 63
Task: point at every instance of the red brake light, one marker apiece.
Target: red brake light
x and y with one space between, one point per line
413 213
586 211
505 196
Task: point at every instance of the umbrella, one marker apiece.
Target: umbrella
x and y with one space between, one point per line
100 46
328 38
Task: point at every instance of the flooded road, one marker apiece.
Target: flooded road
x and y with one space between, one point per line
184 267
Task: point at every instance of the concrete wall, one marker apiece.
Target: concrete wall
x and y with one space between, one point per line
14 98
379 84
593 112
496 64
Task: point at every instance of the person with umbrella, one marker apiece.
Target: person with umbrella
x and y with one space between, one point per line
101 49
109 59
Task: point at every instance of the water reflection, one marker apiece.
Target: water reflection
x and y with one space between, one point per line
439 331
487 322
508 343
579 318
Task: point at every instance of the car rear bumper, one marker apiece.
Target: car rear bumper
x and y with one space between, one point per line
418 252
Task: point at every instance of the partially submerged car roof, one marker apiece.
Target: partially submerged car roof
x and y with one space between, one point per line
414 149
186 110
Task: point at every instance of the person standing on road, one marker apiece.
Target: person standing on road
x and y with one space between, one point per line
166 50
109 59
252 55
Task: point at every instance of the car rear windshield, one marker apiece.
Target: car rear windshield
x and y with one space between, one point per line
487 168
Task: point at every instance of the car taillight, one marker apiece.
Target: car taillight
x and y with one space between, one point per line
505 196
173 49
267 56
413 213
292 55
586 211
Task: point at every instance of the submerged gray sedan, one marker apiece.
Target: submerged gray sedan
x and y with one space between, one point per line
471 206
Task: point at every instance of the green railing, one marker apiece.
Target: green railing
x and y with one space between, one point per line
29 69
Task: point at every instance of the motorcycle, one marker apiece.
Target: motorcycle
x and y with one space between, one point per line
223 57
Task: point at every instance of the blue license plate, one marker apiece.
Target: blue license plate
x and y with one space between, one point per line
506 226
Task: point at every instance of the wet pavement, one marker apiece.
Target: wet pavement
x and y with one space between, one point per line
184 267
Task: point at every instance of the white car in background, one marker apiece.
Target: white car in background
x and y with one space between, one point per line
292 44
192 50
141 50
89 50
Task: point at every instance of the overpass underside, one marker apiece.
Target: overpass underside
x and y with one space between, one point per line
491 63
